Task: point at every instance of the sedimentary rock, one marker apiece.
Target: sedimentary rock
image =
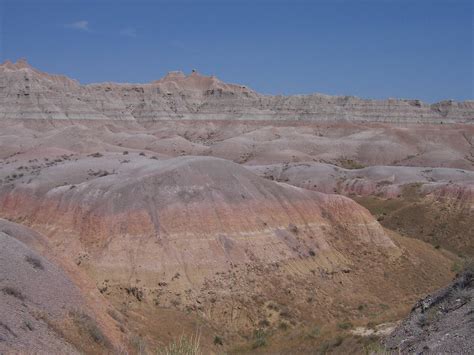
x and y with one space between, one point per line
30 94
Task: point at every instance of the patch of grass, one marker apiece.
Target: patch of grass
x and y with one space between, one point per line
412 190
456 267
345 325
349 164
183 346
375 348
331 344
34 261
11 291
260 339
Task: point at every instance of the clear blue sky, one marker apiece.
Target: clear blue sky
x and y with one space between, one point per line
377 49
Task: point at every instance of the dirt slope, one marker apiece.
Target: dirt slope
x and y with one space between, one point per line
43 309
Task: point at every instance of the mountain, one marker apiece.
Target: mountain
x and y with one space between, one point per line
27 93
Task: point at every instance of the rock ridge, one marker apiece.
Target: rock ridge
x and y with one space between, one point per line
27 93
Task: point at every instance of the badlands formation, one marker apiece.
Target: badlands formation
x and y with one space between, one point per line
26 93
131 214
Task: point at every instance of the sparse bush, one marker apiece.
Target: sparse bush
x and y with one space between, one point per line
89 326
422 321
371 325
283 325
136 292
462 294
27 324
285 313
313 333
183 346
293 228
272 306
96 155
35 262
349 164
218 340
337 341
142 154
11 291
139 344
125 152
115 315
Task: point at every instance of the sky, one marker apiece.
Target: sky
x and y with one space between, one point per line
373 49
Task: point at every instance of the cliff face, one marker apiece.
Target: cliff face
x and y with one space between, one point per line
26 93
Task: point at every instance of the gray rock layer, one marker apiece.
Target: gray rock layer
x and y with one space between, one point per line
442 323
26 93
